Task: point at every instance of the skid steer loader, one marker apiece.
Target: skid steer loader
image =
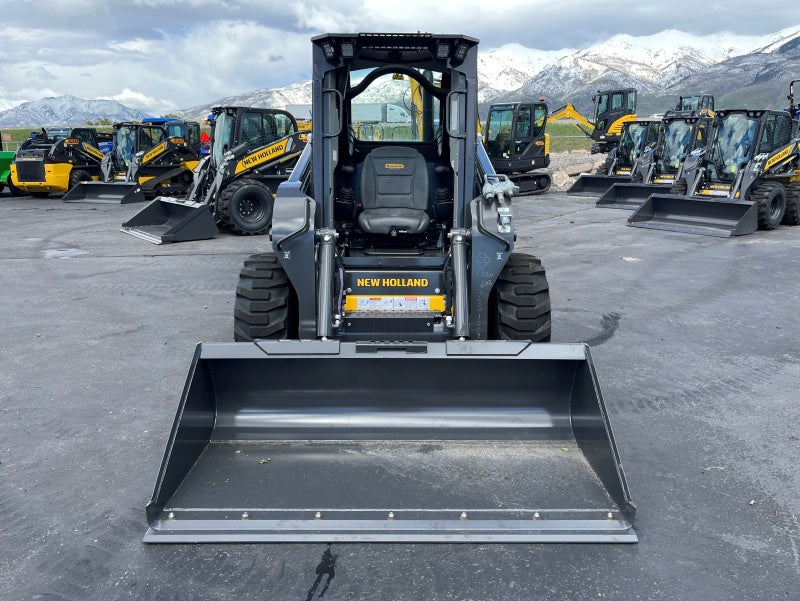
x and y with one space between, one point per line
55 159
252 151
154 156
528 149
746 178
655 169
619 165
387 384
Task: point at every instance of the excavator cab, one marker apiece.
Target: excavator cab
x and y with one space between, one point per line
517 144
392 379
612 108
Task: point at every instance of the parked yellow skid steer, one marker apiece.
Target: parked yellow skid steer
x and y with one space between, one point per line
318 425
252 151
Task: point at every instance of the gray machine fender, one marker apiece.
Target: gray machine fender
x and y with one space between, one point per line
692 170
492 241
293 241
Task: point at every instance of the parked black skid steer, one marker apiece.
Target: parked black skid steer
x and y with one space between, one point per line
743 180
656 168
393 381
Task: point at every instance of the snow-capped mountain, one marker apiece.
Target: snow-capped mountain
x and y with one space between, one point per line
664 64
66 110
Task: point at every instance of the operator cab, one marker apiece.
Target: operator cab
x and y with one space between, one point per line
393 185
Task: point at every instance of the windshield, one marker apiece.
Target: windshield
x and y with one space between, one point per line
677 141
634 139
176 129
393 107
734 144
221 137
498 129
125 144
602 105
57 133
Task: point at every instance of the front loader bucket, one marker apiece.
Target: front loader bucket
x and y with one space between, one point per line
105 192
628 195
167 220
593 185
328 441
693 215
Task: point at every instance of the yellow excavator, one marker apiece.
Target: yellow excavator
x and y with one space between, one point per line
612 108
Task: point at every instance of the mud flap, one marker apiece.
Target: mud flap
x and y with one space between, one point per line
628 195
593 185
167 220
105 192
722 218
326 441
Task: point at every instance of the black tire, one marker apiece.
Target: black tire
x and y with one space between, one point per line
2 187
679 187
77 176
12 188
770 199
792 214
519 304
245 206
266 304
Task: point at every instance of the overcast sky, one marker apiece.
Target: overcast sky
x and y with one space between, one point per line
161 55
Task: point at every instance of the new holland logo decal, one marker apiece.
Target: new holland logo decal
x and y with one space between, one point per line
262 156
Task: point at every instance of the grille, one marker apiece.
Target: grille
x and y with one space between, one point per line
30 171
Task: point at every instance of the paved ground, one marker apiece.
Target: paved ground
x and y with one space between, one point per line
695 341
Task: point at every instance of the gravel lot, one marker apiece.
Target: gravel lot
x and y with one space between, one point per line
695 341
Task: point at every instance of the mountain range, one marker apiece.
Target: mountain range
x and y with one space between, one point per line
66 110
752 71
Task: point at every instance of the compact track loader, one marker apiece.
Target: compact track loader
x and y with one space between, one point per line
154 156
55 160
388 384
746 178
528 149
252 151
655 169
619 166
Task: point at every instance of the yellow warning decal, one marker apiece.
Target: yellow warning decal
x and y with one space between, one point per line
355 303
394 166
262 156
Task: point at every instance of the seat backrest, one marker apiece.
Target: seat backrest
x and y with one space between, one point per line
394 177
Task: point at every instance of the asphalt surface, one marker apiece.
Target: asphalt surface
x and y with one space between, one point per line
695 341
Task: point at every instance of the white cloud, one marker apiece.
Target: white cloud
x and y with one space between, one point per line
170 54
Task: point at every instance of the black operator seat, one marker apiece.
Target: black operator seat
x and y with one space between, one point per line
394 192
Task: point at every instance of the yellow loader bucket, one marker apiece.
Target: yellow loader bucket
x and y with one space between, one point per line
326 441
